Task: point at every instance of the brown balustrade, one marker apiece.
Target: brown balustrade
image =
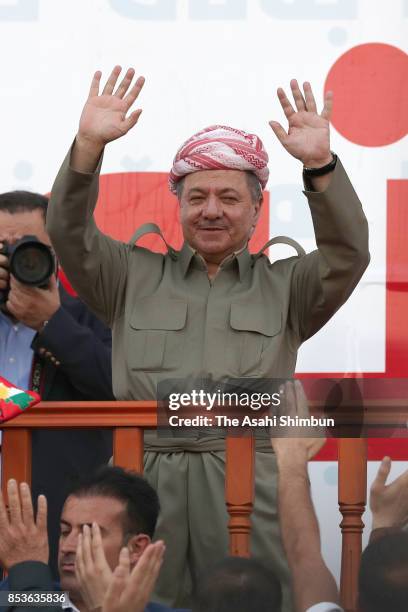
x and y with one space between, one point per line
128 420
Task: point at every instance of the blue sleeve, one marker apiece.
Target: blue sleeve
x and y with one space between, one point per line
29 576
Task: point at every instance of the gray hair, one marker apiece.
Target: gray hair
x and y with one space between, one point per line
253 183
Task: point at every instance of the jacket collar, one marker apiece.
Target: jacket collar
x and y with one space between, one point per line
188 255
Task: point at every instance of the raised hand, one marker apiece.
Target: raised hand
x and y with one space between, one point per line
389 503
308 135
293 444
105 117
23 536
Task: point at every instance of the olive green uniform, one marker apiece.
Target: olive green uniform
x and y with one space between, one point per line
169 321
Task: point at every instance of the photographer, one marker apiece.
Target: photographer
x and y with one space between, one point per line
51 343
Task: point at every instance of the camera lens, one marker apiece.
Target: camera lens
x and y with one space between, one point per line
32 263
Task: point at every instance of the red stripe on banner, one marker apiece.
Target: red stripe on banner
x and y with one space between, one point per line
377 449
397 279
396 320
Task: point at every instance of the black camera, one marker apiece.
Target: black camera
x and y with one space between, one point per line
31 262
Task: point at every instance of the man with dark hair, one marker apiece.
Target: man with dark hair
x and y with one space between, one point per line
23 201
125 508
240 585
106 516
383 580
51 343
140 499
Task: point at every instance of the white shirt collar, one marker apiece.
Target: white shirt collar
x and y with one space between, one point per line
68 604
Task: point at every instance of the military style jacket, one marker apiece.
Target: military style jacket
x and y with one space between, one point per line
169 321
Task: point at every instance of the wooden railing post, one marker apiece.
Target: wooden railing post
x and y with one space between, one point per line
352 502
128 448
16 456
239 492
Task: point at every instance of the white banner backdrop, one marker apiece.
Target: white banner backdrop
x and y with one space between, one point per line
205 62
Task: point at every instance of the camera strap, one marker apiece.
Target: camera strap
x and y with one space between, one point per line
37 375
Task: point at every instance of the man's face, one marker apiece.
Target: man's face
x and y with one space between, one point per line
217 212
108 513
15 226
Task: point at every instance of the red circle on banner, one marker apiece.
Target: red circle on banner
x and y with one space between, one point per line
370 87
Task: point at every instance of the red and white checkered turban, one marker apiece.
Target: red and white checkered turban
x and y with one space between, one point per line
220 147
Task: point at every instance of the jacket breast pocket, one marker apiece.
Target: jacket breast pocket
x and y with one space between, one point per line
253 329
156 334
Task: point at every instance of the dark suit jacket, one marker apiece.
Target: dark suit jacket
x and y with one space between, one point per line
82 345
35 576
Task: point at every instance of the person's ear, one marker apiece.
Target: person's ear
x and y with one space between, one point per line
258 208
257 213
136 546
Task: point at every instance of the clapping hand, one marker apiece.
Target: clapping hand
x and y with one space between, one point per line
308 135
125 589
91 567
23 536
130 590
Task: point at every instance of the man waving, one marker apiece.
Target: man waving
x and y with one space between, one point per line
211 310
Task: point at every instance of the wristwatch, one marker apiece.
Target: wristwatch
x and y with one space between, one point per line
311 172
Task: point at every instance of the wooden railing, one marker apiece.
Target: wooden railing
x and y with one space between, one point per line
129 419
